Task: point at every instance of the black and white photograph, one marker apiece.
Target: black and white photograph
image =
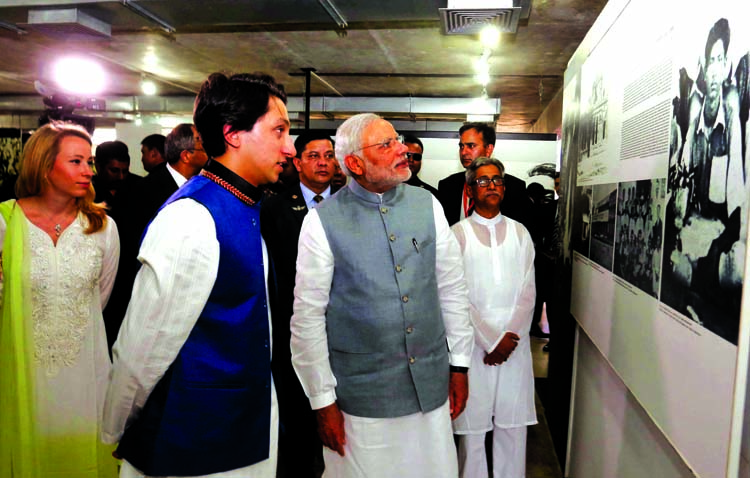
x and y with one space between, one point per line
639 233
706 211
603 215
581 235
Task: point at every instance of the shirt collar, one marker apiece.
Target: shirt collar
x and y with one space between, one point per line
719 116
369 196
309 194
178 178
486 222
215 167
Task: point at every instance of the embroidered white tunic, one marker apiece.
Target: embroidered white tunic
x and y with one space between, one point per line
498 258
70 284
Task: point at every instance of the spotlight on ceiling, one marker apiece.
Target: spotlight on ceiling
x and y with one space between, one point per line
148 87
79 75
489 36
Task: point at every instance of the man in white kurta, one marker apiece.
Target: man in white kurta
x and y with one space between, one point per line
179 289
498 258
375 213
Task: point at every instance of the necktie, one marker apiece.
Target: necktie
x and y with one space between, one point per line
318 198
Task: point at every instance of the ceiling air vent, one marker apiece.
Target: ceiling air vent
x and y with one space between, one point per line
467 17
69 24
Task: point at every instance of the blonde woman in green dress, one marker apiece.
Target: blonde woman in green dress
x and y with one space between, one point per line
59 260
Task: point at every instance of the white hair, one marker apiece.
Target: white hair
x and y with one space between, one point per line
349 136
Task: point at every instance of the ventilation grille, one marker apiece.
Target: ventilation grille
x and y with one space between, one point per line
471 21
68 23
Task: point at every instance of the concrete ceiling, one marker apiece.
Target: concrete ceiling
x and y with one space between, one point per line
389 48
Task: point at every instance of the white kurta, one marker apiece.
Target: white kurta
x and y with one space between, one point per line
309 345
499 266
180 257
70 284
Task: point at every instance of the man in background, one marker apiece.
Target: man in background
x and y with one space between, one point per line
478 140
113 175
152 151
414 155
185 158
300 450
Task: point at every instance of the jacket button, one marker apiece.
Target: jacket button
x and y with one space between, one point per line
398 268
409 329
405 298
412 359
384 210
392 237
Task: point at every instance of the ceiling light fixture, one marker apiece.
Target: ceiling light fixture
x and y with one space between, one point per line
148 87
134 7
79 75
489 36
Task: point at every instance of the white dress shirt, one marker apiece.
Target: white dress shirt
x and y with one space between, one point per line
309 195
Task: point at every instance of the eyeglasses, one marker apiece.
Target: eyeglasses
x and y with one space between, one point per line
484 182
385 144
414 156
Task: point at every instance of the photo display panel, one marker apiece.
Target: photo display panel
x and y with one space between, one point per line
656 158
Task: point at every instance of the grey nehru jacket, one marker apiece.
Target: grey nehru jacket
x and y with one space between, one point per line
386 336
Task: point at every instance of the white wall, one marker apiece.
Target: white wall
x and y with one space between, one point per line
612 436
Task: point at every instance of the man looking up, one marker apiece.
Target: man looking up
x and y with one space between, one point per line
300 450
478 140
380 332
152 151
498 256
191 392
414 155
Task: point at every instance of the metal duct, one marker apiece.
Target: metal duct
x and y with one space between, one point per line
468 17
68 23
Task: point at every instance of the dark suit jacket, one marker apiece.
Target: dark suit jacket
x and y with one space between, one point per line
136 207
515 204
281 217
415 181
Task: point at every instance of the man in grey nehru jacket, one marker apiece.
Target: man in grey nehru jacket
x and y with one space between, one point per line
381 336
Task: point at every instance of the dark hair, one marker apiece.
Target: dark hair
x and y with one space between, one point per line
535 191
308 137
237 101
487 131
411 139
111 151
178 140
720 31
155 141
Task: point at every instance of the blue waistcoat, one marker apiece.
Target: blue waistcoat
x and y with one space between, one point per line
386 336
211 410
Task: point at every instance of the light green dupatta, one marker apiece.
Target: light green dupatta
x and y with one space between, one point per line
19 441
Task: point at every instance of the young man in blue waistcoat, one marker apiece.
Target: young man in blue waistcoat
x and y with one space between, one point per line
191 392
381 336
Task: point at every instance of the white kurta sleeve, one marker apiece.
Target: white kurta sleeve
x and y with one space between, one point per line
180 257
523 308
452 292
309 343
110 261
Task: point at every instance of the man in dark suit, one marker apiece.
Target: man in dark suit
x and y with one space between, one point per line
185 158
478 140
300 450
113 176
414 155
